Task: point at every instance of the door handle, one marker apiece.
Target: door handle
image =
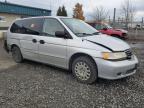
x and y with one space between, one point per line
34 41
42 42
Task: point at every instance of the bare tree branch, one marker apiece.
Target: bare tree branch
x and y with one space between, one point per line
100 14
129 11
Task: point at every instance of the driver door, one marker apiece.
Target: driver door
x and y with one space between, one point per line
52 50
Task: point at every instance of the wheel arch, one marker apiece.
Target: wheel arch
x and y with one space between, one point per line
16 53
13 45
76 55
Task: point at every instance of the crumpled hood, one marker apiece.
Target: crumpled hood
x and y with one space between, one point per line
110 42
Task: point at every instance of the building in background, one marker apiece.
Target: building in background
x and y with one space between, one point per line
9 12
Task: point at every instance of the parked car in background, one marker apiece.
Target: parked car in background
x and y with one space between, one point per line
139 27
73 45
107 29
142 26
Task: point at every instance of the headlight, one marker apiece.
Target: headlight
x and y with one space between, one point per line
113 55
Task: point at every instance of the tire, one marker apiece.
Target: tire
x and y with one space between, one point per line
84 70
16 54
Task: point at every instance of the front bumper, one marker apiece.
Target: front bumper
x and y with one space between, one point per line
116 69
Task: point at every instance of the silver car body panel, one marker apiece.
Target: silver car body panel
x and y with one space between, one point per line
58 51
116 70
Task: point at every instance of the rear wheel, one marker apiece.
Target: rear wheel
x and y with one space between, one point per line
84 69
16 54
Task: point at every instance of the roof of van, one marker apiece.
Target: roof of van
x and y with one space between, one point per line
44 17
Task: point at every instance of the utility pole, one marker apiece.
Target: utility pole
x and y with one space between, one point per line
142 23
114 17
109 20
118 20
50 5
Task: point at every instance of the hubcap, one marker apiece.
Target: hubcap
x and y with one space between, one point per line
82 71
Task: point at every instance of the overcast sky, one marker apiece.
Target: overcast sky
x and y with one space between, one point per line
88 5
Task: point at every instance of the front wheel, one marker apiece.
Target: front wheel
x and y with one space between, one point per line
85 70
16 54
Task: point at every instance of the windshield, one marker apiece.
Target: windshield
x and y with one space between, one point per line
79 27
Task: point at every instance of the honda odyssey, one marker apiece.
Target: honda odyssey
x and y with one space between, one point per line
73 45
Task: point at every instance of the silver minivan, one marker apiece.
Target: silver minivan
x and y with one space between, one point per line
73 45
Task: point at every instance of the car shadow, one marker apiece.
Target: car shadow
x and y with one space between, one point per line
106 81
44 65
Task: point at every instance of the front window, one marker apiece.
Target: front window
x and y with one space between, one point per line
79 28
51 26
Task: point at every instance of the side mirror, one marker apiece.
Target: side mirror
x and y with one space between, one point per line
105 29
60 34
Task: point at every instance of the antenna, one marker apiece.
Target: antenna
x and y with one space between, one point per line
114 16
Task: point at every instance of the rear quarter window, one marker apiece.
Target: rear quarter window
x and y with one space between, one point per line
16 27
28 26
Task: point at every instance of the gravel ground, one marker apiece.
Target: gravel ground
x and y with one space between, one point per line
35 85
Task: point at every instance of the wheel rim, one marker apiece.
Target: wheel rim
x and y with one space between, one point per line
82 71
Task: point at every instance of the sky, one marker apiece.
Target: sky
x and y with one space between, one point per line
88 6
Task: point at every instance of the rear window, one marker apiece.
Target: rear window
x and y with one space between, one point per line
28 26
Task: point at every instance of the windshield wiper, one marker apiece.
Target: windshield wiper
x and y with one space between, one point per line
96 33
83 34
87 34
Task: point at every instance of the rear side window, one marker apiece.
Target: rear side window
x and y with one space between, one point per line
28 26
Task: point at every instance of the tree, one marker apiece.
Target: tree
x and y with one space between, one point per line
78 12
128 11
61 11
64 12
100 14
